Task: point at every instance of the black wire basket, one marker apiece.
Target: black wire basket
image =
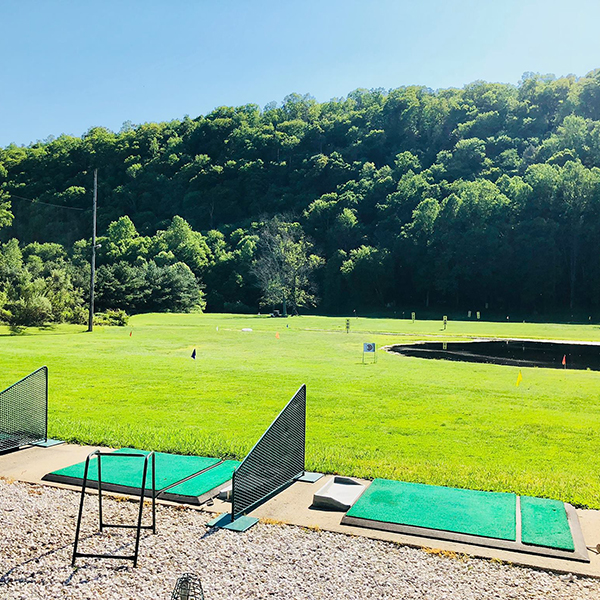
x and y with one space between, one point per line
188 587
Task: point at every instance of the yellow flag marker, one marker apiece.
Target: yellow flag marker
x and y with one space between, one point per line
277 334
519 378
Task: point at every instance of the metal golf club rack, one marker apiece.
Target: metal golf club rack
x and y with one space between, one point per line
138 526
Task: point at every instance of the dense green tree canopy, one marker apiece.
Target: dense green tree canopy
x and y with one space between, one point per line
457 198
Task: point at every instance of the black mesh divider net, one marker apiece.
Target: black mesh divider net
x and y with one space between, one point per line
24 411
276 459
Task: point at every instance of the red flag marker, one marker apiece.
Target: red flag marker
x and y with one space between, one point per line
130 333
564 361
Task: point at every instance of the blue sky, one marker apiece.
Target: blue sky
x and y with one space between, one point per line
69 65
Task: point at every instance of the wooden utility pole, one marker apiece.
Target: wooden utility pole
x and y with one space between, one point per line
93 264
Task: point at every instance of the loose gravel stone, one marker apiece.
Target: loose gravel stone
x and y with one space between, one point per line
37 526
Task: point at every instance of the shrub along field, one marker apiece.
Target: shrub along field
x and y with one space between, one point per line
438 422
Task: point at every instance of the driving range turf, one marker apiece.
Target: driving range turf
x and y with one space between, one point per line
444 423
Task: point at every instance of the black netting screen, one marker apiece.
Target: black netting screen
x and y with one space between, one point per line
24 411
275 460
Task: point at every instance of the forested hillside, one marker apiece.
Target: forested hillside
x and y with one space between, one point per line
456 198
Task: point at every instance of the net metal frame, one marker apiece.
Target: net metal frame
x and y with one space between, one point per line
24 411
274 461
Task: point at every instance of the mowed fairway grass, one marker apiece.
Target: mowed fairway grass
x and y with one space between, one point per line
429 421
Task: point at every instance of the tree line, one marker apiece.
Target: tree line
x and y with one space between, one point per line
485 196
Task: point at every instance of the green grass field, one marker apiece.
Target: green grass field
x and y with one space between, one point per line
438 422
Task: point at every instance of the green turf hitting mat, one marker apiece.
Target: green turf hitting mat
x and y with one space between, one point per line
125 474
201 487
488 514
497 520
544 523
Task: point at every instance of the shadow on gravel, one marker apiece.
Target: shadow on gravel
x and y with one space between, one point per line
30 577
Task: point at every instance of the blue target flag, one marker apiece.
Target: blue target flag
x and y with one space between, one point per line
194 354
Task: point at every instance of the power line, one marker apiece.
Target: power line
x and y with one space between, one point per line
45 203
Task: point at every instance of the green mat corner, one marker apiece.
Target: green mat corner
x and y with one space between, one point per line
544 523
207 481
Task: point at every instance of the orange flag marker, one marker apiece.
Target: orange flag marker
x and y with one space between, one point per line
277 334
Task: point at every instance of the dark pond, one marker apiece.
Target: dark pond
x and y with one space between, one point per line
510 352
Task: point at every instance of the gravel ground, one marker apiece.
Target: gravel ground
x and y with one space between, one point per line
37 527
